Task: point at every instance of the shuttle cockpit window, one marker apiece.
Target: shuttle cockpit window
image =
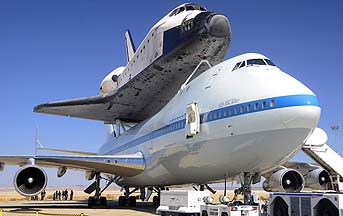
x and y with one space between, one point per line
187 7
269 62
174 12
180 10
195 7
255 62
177 11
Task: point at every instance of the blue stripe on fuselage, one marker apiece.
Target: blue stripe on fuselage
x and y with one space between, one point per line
227 112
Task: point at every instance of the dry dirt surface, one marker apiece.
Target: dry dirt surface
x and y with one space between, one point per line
13 204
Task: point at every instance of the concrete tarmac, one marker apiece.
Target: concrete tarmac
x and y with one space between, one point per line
72 208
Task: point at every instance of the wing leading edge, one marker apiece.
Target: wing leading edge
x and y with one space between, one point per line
121 165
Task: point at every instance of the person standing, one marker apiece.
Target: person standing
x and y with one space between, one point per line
71 194
59 195
66 194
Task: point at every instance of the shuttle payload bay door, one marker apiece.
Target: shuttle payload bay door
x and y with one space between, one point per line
192 120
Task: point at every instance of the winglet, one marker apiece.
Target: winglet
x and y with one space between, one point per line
130 47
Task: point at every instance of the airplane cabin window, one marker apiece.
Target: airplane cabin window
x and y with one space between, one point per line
255 106
256 62
272 103
264 105
203 9
269 62
248 108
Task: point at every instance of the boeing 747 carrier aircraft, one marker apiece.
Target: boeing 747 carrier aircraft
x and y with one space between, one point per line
242 117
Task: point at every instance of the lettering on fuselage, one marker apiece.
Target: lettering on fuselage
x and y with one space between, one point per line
229 102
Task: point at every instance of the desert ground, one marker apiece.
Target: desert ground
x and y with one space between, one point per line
11 203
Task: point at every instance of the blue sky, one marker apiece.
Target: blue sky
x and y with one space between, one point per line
52 50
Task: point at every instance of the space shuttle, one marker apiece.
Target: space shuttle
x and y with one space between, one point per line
155 69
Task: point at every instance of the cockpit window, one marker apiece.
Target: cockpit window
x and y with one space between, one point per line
269 62
174 12
180 10
242 65
189 7
236 66
256 62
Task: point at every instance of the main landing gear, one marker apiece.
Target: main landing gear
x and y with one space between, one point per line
97 200
130 201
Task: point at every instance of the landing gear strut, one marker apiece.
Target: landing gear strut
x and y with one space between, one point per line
97 199
245 189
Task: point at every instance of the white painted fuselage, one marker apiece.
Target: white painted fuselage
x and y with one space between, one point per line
253 119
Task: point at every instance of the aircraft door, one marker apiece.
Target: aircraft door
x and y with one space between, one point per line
192 120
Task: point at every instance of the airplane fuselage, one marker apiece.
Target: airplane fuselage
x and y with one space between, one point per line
253 119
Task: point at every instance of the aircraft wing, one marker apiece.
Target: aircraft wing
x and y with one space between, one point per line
121 165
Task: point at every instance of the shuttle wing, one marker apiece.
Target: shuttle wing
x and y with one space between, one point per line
121 165
129 103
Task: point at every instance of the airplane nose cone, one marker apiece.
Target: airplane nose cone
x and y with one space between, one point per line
219 26
304 116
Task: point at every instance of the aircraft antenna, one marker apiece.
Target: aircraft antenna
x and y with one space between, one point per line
37 142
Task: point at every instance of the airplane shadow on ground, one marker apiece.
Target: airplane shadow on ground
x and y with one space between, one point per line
32 206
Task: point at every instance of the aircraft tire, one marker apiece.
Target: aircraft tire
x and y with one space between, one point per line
121 201
103 201
132 201
91 202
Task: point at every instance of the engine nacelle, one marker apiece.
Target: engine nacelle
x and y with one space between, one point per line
30 180
284 180
317 179
110 82
61 171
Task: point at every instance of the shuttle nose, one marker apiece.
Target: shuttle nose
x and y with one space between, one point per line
215 24
218 25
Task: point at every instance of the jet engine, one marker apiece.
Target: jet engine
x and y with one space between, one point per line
284 180
317 179
30 180
110 82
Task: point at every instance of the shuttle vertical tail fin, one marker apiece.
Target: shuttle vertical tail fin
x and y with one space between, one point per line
130 47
